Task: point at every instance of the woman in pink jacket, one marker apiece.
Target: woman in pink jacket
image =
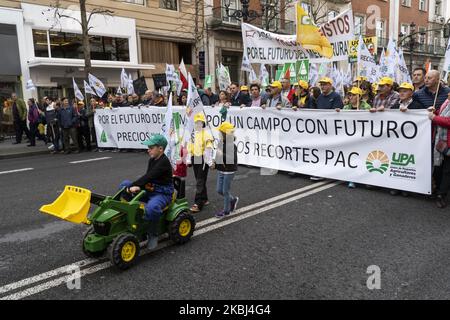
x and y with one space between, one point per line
441 151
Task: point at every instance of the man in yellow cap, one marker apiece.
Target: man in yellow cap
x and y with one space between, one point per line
328 99
302 98
276 100
226 164
406 101
355 101
200 158
386 98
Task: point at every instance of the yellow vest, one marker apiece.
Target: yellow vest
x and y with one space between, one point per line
202 140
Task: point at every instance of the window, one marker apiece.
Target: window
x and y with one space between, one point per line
66 45
70 46
332 14
234 5
107 48
40 43
438 8
306 7
270 19
423 5
359 25
406 3
380 28
159 51
141 2
168 4
404 29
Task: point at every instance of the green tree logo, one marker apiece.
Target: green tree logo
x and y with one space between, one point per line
104 138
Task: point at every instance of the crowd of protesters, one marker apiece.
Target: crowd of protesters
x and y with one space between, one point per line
65 119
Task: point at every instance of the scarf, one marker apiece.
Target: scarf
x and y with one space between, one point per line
441 137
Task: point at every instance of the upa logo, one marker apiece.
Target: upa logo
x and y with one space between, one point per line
403 159
377 161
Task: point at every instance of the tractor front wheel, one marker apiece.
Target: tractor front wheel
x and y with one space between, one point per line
124 250
90 254
182 228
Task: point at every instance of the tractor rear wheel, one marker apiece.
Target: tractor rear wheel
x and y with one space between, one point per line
124 250
182 228
90 254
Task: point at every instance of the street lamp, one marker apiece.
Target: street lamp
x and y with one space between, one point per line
412 42
245 14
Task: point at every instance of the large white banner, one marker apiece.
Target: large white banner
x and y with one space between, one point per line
390 149
271 48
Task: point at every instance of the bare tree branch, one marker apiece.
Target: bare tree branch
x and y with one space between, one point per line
99 11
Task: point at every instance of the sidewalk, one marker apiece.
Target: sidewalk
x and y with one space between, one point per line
8 150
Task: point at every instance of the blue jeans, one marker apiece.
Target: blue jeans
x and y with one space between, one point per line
156 201
223 188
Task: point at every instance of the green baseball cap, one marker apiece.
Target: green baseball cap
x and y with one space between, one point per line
156 140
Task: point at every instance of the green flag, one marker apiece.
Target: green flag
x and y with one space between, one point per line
302 70
208 81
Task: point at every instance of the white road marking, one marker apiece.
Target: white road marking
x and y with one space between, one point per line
90 160
293 196
17 170
267 201
44 276
264 209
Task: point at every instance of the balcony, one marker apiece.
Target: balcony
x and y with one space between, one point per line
222 22
419 48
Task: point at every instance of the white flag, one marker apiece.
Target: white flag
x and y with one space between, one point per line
391 60
119 91
88 89
447 60
402 70
123 79
194 105
165 129
170 73
367 67
223 77
246 66
130 87
77 91
313 74
97 85
252 76
30 85
263 75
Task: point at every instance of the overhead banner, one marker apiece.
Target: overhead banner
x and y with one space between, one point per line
378 149
271 48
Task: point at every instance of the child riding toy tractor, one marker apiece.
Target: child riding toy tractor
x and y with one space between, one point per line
118 226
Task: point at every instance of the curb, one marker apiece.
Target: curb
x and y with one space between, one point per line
23 154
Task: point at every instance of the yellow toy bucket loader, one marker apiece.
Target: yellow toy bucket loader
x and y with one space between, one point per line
72 205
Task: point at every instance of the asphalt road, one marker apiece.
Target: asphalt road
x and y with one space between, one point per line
317 242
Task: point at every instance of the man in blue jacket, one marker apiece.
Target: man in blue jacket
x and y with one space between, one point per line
427 94
68 121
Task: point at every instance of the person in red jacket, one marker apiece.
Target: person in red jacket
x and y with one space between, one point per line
441 151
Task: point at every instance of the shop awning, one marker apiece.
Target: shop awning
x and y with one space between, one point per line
78 63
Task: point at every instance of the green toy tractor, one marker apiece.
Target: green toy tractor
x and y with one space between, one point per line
118 226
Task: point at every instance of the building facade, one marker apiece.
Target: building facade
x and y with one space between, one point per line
416 25
140 36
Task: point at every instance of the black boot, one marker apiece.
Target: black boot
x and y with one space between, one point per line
152 235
